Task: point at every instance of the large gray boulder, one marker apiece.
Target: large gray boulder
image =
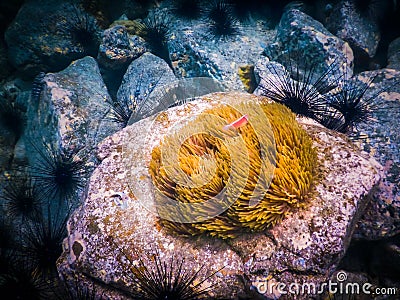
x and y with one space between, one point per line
359 30
72 110
381 138
307 44
117 49
142 77
115 222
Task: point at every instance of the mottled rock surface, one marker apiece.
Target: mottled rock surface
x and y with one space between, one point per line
188 60
73 108
115 220
359 30
309 43
382 139
117 50
142 77
196 52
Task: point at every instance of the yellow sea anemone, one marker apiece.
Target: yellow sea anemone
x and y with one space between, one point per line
222 181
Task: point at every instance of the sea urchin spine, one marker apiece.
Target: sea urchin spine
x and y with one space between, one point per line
57 174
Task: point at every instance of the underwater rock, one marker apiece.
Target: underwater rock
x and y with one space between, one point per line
12 88
142 77
117 50
360 31
309 44
72 110
195 52
188 61
7 138
393 55
116 226
266 71
12 119
49 35
382 139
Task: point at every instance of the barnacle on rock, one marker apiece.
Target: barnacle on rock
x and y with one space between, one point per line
245 179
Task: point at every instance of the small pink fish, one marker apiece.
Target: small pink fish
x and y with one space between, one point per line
243 120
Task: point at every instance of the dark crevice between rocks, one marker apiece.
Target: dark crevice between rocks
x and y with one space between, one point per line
379 259
113 79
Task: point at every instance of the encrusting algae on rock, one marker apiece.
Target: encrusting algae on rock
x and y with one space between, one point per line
221 182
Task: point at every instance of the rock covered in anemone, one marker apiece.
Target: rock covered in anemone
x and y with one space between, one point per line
117 227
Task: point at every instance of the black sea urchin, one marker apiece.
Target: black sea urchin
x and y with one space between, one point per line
21 283
44 243
37 87
57 174
300 90
82 30
6 235
77 290
132 109
156 34
222 20
164 280
332 119
122 111
21 200
351 103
